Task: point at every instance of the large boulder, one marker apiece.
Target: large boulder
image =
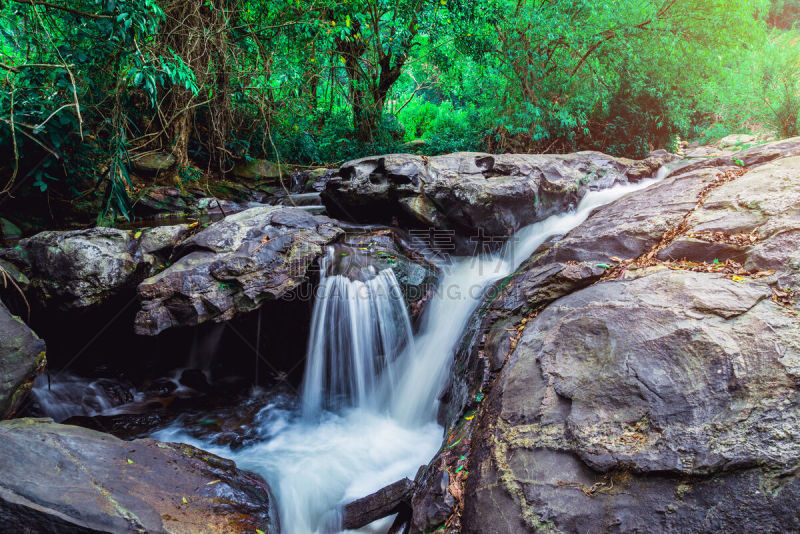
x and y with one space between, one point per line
475 194
22 358
83 269
618 387
685 422
59 478
233 266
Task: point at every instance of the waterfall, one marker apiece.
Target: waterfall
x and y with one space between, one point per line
461 290
370 393
359 327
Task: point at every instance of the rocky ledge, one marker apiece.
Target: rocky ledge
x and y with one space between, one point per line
233 266
59 478
474 194
641 373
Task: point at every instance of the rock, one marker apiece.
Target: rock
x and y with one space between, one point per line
691 249
215 205
301 199
765 203
625 229
153 162
663 337
236 192
631 225
261 170
159 200
387 249
683 422
232 266
13 273
738 141
758 155
9 230
433 504
59 478
383 503
156 244
82 268
22 358
471 193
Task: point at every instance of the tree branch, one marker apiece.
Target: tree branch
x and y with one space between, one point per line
63 8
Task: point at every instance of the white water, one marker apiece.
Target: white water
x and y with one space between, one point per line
315 464
65 395
359 328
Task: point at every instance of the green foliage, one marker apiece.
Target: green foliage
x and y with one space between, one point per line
761 90
70 90
89 82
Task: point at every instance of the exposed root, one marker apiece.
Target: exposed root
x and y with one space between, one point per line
7 280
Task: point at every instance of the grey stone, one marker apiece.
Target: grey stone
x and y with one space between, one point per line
59 478
474 192
232 266
22 358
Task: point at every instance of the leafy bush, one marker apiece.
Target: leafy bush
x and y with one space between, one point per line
761 91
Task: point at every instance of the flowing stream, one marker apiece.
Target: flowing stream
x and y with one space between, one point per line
368 415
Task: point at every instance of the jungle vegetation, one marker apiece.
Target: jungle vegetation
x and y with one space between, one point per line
88 84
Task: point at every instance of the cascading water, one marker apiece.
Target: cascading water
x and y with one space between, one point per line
359 327
362 439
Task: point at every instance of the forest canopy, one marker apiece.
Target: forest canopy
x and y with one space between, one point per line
89 84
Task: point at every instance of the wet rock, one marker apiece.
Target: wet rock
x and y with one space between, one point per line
195 379
474 194
232 266
383 503
433 504
153 162
59 478
388 249
22 358
642 404
124 426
